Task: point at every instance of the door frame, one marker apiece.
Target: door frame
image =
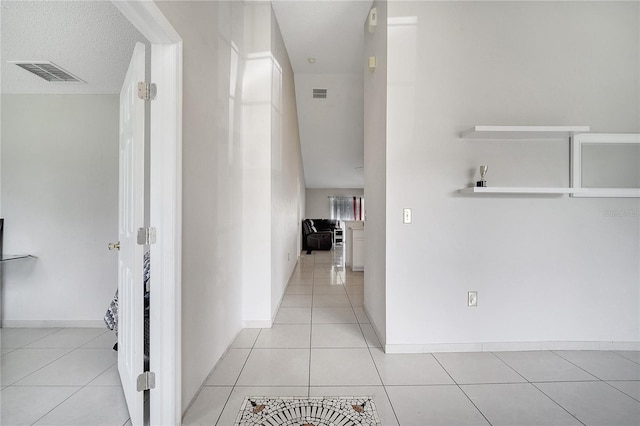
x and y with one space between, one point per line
165 207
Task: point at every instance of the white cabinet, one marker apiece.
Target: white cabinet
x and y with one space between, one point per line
354 245
358 250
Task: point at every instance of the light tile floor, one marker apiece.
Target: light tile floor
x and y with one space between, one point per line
323 345
60 376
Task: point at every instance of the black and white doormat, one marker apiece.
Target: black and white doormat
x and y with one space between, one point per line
314 411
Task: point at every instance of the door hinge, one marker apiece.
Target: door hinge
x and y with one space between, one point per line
146 235
146 381
147 91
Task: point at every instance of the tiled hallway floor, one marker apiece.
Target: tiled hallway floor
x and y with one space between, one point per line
323 345
53 376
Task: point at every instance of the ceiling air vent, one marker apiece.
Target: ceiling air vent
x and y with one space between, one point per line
48 71
319 93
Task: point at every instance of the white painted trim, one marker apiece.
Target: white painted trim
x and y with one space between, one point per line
55 324
379 335
607 193
257 324
149 20
511 346
275 312
166 217
165 207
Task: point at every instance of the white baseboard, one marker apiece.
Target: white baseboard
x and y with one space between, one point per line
269 323
511 346
257 324
53 324
379 335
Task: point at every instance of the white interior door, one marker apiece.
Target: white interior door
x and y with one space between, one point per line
131 218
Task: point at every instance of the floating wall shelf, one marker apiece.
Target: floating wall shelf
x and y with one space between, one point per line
8 257
514 190
523 132
551 132
608 193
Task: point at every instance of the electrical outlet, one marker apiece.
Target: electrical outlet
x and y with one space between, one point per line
472 298
406 216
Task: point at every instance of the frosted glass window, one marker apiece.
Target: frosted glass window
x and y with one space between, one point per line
610 165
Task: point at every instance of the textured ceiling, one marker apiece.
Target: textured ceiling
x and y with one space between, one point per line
90 39
331 130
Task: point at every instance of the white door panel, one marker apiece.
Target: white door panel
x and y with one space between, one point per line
131 217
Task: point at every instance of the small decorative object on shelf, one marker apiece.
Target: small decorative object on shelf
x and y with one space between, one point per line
482 183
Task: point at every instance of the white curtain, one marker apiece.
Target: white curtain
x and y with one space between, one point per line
342 208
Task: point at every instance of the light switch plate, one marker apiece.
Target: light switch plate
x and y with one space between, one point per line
406 217
472 298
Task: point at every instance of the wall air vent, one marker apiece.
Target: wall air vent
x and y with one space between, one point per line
48 71
319 93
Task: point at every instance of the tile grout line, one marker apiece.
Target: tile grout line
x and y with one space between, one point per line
460 387
368 347
619 390
100 374
46 365
622 356
79 346
527 381
532 384
540 390
510 367
62 402
573 363
235 384
313 282
96 338
24 347
474 404
54 331
557 403
384 387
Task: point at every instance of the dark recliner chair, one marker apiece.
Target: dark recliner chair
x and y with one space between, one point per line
317 234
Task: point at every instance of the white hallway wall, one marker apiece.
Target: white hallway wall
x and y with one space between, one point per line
375 175
211 184
60 203
230 277
546 269
273 179
287 172
257 191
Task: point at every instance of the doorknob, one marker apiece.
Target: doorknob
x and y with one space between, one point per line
114 246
